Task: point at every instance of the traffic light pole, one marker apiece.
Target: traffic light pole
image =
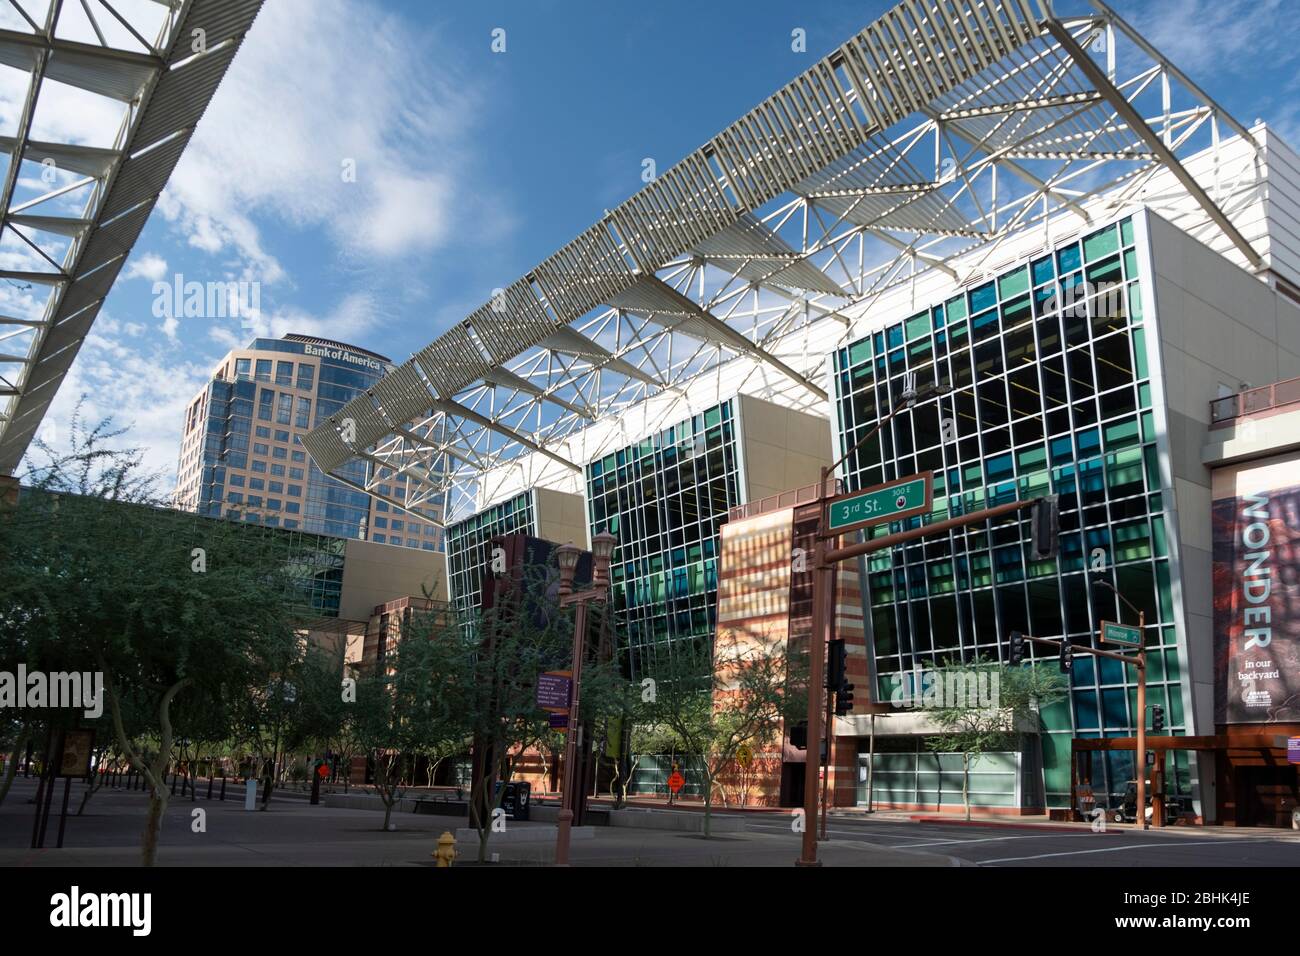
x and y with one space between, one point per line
829 736
1139 661
825 560
816 678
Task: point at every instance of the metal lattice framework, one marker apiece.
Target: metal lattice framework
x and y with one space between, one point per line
74 210
922 143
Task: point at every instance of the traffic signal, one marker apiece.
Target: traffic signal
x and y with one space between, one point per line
1157 718
799 736
1067 655
1017 648
844 700
1045 525
835 664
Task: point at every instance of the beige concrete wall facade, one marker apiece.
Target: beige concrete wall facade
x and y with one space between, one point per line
375 574
1219 329
1249 438
782 448
561 517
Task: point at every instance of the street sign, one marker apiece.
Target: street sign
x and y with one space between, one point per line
1293 750
676 781
1112 633
744 755
553 691
74 761
892 501
558 721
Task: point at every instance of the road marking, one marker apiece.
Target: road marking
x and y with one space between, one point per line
779 827
1110 849
1032 836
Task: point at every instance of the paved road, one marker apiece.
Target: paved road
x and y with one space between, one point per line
295 833
1027 846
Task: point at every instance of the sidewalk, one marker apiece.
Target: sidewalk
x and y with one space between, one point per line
1041 821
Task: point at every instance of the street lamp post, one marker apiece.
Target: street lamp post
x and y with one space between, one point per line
1140 662
566 556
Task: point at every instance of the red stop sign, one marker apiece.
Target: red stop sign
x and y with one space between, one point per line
676 781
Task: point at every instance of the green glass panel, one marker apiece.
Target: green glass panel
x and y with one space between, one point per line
1056 761
1164 591
1101 243
1014 283
1159 536
1134 303
1172 670
860 352
1132 541
1153 467
1144 395
713 416
918 325
1175 709
1106 271
1155 667
1148 426
1126 231
1140 353
1130 264
956 308
1121 434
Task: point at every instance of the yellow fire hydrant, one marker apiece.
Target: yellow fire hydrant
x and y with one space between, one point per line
446 853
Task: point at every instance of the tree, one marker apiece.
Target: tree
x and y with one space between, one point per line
414 702
91 467
526 634
983 706
715 703
180 614
14 735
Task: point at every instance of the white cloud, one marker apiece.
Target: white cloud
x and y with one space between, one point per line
146 265
1205 38
139 385
321 87
351 320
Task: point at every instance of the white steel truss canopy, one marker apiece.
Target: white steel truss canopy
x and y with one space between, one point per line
922 143
83 219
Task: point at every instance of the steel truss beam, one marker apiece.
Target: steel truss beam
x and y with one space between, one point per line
923 143
164 86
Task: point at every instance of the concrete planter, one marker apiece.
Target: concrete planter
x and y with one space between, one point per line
467 837
684 821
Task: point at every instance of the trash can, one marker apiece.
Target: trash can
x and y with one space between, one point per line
516 799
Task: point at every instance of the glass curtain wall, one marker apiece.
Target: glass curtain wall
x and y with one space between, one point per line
1049 365
664 498
467 544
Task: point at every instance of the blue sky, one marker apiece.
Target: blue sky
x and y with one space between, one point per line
472 166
